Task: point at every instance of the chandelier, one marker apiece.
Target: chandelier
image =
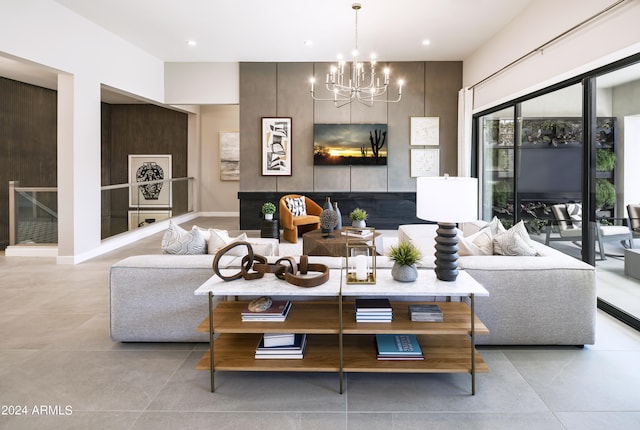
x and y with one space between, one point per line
356 86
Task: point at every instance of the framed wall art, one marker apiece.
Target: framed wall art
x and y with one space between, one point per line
145 217
425 130
425 162
150 168
229 156
276 146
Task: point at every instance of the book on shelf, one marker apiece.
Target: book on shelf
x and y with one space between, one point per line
373 305
297 345
295 351
400 357
374 318
398 345
277 312
278 339
358 233
425 313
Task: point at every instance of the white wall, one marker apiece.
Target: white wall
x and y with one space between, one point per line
45 33
609 38
217 197
202 83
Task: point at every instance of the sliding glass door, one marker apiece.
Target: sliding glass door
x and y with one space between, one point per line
566 161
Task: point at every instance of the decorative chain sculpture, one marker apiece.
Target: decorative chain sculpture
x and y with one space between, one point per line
254 266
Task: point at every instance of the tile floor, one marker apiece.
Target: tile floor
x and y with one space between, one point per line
58 365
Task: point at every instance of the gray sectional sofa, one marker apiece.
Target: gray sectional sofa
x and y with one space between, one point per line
549 299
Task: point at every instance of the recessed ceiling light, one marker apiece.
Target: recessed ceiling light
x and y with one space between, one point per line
192 42
426 42
308 42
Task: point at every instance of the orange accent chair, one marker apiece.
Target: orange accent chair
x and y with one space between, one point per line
293 226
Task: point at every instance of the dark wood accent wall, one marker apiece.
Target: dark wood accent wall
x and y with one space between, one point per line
28 142
386 210
139 129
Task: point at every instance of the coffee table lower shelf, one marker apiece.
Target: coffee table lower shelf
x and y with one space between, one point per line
443 354
235 352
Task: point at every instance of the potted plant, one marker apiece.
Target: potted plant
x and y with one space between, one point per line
268 209
358 217
405 256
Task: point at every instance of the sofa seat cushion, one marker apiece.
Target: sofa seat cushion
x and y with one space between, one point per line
306 219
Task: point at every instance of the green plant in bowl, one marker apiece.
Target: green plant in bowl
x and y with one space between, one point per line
405 256
358 215
268 208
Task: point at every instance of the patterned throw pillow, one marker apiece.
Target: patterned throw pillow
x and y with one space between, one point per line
177 240
296 205
514 242
575 214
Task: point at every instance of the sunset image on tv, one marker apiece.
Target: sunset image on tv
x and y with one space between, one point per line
350 144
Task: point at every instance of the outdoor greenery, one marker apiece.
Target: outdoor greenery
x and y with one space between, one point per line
605 194
605 160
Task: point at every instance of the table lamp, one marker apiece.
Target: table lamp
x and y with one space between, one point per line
447 200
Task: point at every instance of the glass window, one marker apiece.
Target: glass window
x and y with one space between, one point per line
497 142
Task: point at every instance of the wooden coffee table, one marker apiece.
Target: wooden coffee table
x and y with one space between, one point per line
315 242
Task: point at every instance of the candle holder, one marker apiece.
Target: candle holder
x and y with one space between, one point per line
361 255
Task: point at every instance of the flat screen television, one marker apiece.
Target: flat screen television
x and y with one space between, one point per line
350 144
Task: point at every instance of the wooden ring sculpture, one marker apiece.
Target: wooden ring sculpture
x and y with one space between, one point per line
224 250
284 268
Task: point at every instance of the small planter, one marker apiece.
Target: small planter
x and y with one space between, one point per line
404 273
268 217
359 223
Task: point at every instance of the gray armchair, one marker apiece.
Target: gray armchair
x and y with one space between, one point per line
569 228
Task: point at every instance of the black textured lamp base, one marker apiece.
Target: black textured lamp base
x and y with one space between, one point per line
446 252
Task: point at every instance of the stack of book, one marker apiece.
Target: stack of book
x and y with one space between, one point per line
425 313
358 233
373 310
398 347
283 346
278 311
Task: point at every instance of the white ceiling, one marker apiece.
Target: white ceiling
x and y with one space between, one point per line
276 30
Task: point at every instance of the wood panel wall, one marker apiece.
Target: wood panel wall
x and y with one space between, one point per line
139 129
282 90
28 142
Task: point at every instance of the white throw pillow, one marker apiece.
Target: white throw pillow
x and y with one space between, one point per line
575 214
206 234
514 242
495 226
297 205
220 239
480 243
177 240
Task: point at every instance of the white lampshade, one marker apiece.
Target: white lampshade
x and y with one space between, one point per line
447 199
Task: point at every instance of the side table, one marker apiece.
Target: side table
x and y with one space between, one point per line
270 229
632 263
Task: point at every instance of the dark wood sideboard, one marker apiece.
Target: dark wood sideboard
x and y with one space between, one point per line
386 210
